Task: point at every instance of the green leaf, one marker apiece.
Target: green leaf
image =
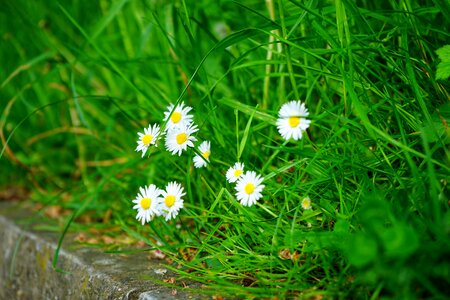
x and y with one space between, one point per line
249 110
341 227
293 238
400 241
246 132
439 129
362 250
213 263
115 9
443 68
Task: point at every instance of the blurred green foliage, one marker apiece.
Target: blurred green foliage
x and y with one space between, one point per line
78 79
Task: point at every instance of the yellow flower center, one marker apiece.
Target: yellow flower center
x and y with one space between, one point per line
181 138
237 173
294 121
249 188
175 117
145 203
170 200
306 203
206 154
147 139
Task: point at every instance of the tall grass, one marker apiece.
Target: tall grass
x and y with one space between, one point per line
79 80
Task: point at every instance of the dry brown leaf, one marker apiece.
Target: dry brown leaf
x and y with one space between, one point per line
170 280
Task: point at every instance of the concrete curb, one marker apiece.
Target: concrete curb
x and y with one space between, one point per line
26 269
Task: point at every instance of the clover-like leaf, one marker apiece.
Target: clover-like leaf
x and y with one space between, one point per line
443 68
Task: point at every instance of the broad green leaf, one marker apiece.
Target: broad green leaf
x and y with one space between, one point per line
443 68
362 250
341 227
400 241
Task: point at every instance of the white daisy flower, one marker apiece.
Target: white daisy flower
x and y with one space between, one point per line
235 172
291 120
179 117
179 138
205 150
249 188
149 137
147 203
306 203
171 200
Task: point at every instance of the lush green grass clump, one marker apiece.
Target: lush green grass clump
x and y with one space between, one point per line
80 79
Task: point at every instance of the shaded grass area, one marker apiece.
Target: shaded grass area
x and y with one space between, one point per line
79 80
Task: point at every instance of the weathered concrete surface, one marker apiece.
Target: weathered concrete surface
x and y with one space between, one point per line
26 269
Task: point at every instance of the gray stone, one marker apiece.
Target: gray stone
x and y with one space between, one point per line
26 270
